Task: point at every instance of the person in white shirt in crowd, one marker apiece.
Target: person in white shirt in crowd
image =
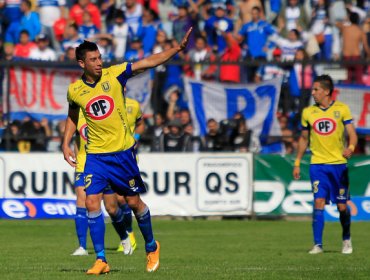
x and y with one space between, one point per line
43 51
289 45
50 11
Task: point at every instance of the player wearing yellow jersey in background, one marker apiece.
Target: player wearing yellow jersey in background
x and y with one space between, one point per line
323 127
110 149
137 126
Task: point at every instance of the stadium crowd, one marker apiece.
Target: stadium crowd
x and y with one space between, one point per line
271 32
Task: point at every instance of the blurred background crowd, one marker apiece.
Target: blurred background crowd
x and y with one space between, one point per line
276 37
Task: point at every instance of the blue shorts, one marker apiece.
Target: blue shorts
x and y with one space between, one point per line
80 182
330 181
118 170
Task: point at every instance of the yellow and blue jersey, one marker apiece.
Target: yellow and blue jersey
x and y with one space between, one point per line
134 114
326 128
82 142
104 109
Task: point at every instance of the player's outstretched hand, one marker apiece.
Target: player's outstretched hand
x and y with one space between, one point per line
69 156
185 40
297 173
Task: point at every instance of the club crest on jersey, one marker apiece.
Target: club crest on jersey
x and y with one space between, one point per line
105 86
83 132
315 186
324 126
132 183
336 114
100 107
129 109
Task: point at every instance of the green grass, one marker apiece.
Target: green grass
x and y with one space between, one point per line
197 249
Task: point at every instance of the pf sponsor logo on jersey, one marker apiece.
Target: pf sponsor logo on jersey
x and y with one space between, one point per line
83 132
100 107
324 126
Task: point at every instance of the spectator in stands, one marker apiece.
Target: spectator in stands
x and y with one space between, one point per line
10 138
30 20
71 37
354 40
69 55
213 140
195 141
246 9
292 16
136 51
148 30
24 47
152 135
300 83
319 27
200 53
175 140
87 30
41 135
158 101
77 10
120 32
50 12
181 24
8 51
254 34
230 73
43 51
241 140
173 77
290 45
133 12
10 17
270 71
215 25
105 46
290 144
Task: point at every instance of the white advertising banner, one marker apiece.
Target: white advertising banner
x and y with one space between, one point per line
40 185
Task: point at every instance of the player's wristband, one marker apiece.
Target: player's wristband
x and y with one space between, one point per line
297 163
352 148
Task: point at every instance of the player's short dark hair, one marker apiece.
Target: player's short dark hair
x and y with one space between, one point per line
83 48
326 82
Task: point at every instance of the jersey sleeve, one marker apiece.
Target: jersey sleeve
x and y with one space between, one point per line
71 102
139 114
304 119
122 71
347 116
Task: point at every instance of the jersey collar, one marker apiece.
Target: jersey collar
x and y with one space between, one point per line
331 104
92 85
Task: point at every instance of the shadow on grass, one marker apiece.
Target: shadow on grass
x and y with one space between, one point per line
84 270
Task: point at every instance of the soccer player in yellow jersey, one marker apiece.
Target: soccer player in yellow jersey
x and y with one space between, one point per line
121 217
110 149
323 127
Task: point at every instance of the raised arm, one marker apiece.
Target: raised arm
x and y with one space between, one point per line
70 129
352 142
302 146
160 58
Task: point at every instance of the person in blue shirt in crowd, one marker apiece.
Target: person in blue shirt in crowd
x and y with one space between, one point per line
148 28
136 51
215 25
254 35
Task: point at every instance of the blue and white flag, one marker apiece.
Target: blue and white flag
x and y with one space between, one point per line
257 102
139 88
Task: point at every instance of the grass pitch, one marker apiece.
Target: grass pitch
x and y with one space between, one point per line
197 249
